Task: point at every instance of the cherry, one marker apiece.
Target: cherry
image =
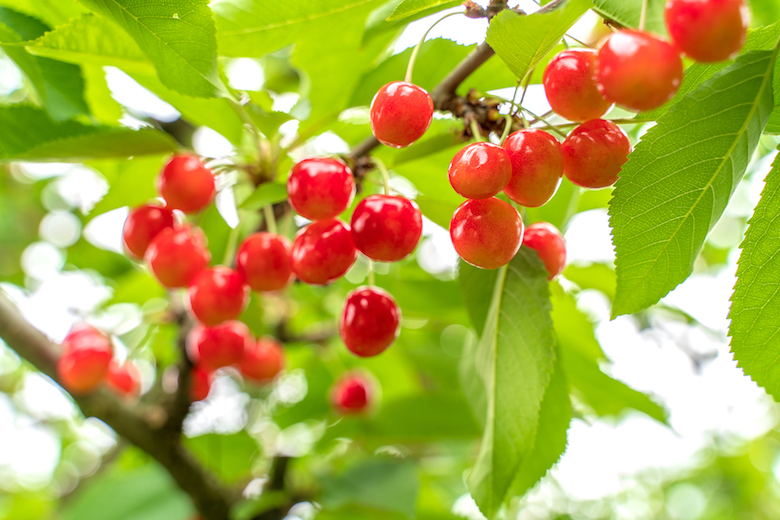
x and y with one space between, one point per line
320 188
594 153
200 383
480 170
548 243
638 70
370 321
177 254
323 251
352 394
401 112
386 227
124 379
217 294
570 88
85 358
142 225
707 30
264 262
263 360
487 232
218 346
186 184
537 167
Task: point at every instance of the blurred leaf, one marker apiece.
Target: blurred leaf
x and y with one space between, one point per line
424 418
657 236
53 12
229 456
477 286
522 41
558 209
595 276
265 194
131 183
626 13
98 96
764 12
412 7
136 286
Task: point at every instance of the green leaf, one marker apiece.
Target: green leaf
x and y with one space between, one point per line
627 13
265 194
515 359
523 41
756 299
53 12
98 96
131 183
679 179
28 133
229 456
179 37
412 7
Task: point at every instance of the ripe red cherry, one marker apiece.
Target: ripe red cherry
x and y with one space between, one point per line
142 225
370 321
177 254
537 167
401 112
707 30
352 394
218 346
480 170
218 294
323 251
320 188
124 379
570 87
486 233
200 383
594 153
638 70
263 360
548 243
186 184
85 358
386 227
264 261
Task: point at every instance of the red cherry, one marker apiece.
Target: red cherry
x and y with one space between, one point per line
124 379
537 167
200 383
142 225
548 243
386 227
264 262
401 112
218 346
352 394
370 321
85 358
323 251
177 254
638 70
218 294
486 233
320 188
594 153
186 184
263 360
480 170
707 30
570 87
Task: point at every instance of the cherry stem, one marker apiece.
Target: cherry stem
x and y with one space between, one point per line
385 176
270 218
571 209
416 51
475 130
643 16
507 129
543 120
230 250
371 279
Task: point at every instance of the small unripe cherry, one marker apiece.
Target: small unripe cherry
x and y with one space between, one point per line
570 87
707 30
594 154
352 394
217 294
124 379
480 170
142 225
218 346
263 360
401 112
548 242
638 70
323 251
264 260
386 227
85 359
487 232
200 383
537 167
186 184
177 254
370 321
320 188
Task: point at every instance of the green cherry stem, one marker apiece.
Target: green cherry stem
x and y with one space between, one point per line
643 16
543 120
230 250
385 176
270 219
475 130
371 279
416 51
507 129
